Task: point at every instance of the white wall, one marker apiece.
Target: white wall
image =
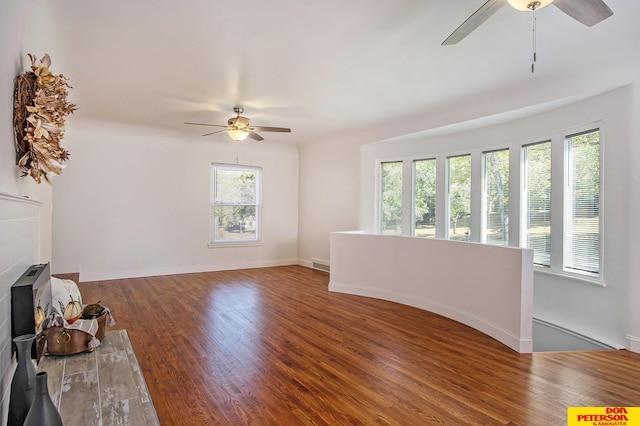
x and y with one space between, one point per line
134 201
329 195
25 233
633 226
596 312
25 27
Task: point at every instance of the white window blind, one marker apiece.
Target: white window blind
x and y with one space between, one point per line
537 201
582 203
496 197
424 198
391 198
459 197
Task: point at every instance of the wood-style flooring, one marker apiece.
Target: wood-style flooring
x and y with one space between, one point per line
273 346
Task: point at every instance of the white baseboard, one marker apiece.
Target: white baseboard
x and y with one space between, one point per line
173 270
521 345
306 263
633 343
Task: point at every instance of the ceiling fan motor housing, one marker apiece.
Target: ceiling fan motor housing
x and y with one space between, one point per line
238 122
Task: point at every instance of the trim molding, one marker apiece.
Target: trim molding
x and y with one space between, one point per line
633 343
20 199
173 270
306 263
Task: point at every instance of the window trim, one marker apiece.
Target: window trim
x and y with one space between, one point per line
537 269
213 243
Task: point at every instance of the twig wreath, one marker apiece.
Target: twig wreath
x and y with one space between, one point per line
38 119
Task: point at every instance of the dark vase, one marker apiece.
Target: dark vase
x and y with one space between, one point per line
42 412
23 383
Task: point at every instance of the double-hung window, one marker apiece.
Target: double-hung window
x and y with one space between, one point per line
235 203
582 203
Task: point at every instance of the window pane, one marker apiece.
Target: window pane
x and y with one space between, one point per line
496 179
582 203
235 223
235 186
391 198
459 195
424 198
537 201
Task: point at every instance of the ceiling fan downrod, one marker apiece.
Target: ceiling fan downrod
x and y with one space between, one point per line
533 6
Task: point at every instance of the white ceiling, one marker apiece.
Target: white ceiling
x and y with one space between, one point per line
329 67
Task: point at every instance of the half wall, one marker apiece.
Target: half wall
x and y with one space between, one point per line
486 287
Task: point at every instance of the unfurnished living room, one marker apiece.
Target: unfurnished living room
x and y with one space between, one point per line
275 212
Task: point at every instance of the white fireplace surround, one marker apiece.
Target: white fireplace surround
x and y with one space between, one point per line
19 249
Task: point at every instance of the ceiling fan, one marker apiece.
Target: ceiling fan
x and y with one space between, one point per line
238 127
588 12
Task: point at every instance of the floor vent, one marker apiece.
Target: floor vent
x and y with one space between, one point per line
320 265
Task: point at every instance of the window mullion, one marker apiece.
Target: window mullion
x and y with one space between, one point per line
514 195
475 221
558 185
442 212
407 198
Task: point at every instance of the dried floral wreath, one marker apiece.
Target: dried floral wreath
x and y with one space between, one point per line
39 115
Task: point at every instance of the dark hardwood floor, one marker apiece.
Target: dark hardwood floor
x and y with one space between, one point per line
273 346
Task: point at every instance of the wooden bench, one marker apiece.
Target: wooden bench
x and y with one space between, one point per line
103 387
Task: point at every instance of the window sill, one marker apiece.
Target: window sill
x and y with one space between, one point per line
581 278
228 244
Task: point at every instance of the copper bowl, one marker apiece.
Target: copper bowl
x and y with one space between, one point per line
62 341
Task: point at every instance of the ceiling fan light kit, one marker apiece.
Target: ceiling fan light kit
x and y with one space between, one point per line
238 125
237 135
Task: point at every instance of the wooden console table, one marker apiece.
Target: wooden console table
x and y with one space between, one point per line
103 387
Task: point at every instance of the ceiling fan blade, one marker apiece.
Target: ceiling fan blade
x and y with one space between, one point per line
588 12
271 129
213 133
255 136
474 21
203 124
